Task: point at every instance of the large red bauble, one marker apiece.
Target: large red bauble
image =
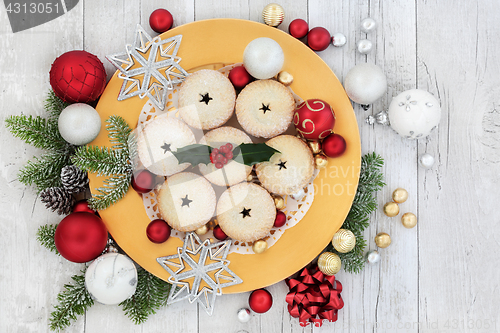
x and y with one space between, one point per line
314 119
143 181
280 219
298 28
82 206
334 145
81 237
78 77
161 20
158 231
239 77
260 300
218 233
318 39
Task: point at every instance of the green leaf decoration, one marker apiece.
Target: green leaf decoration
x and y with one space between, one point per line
118 132
45 171
115 188
54 105
45 235
193 154
102 160
253 153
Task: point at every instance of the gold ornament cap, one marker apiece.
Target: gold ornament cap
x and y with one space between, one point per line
259 246
285 78
279 202
329 263
383 240
202 230
320 161
391 209
409 220
344 241
399 195
315 146
273 14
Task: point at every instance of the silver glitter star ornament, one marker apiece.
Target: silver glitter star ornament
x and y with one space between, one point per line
150 67
199 260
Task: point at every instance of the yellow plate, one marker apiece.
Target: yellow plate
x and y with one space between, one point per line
223 41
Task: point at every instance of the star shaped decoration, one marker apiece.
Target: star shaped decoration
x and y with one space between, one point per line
281 164
245 212
166 147
186 201
150 67
265 108
205 98
196 261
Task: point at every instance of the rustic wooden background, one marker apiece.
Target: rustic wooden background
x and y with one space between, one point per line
441 276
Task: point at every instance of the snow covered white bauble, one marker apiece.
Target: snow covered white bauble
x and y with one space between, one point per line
365 83
111 278
263 58
79 124
413 114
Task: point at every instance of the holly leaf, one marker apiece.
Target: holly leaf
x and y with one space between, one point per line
253 153
193 154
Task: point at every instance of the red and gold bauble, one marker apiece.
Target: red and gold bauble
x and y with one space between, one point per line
161 20
78 77
81 237
143 181
318 39
239 77
280 219
218 233
82 206
334 145
314 119
260 300
298 28
158 231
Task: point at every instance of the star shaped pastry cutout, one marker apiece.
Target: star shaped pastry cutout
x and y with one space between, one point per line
205 98
265 108
281 164
150 67
166 147
186 201
245 212
196 262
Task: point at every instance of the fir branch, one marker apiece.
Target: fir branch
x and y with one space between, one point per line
45 171
118 132
151 294
115 187
74 300
54 105
102 160
45 235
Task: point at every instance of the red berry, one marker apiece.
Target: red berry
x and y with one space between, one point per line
219 234
215 151
229 155
224 160
229 146
280 219
219 165
224 149
219 157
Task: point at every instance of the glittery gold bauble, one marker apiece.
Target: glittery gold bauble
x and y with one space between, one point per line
202 230
315 146
391 209
320 161
329 263
285 78
399 195
344 240
259 246
382 240
279 202
409 220
273 14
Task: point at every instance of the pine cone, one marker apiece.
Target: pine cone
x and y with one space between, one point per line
57 199
73 179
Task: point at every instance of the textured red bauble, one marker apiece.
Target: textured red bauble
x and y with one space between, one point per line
298 28
239 77
82 206
218 233
158 231
260 300
143 181
314 119
318 39
78 77
81 237
161 20
334 145
280 219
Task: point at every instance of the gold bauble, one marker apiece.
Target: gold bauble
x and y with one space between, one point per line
391 209
383 240
279 202
315 146
329 263
399 195
344 240
409 220
259 246
250 178
285 78
320 161
201 230
273 14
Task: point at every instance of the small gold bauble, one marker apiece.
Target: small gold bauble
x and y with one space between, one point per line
391 209
315 146
383 240
273 14
285 78
399 195
344 241
250 178
202 230
329 263
409 220
279 202
320 161
259 246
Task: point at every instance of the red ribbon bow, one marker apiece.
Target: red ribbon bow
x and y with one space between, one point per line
314 294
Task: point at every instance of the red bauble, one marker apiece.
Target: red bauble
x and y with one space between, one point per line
318 39
161 20
78 77
81 237
239 77
334 145
143 181
82 206
158 231
218 233
260 300
298 28
280 219
314 119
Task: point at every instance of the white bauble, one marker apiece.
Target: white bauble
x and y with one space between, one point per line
244 315
364 46
426 160
111 278
79 124
365 83
339 39
263 58
368 25
413 114
373 257
299 195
